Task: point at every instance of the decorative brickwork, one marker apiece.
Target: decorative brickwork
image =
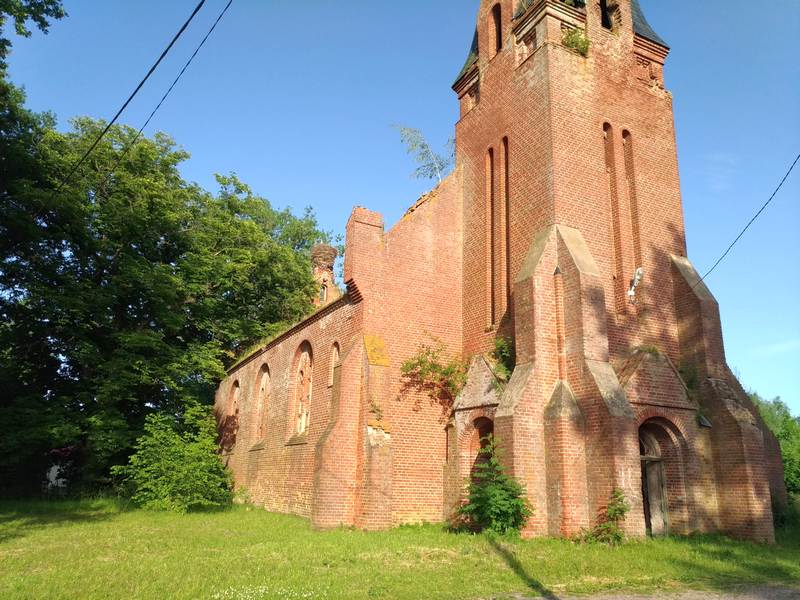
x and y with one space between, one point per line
562 228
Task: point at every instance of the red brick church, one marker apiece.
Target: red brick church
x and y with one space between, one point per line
561 228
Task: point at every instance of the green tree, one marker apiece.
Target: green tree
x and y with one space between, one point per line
41 12
129 291
431 164
779 419
496 501
175 466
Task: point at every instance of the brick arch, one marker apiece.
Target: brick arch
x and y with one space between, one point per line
482 428
301 389
664 457
262 393
229 426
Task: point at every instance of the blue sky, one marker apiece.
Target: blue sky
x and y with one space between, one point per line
298 99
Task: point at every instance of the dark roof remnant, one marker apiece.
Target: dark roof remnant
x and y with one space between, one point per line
642 27
472 58
526 4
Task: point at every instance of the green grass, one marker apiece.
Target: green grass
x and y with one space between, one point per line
97 549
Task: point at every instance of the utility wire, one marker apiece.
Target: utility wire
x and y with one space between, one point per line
753 220
86 154
135 139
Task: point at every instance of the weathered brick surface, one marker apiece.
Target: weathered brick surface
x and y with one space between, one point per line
566 183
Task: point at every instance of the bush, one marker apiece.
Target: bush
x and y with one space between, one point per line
575 39
787 517
176 466
496 501
608 531
430 370
505 357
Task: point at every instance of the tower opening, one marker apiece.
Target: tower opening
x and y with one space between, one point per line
609 15
497 21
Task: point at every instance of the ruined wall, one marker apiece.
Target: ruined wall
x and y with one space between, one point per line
274 464
416 300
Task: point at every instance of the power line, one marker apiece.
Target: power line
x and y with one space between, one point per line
753 220
86 154
135 139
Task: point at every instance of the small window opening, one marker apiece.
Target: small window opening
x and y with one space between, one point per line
609 14
498 27
334 361
323 293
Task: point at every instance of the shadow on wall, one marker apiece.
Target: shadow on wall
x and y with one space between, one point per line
228 430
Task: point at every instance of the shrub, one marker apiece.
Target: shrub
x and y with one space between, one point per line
504 356
787 517
607 530
496 501
429 370
176 466
576 40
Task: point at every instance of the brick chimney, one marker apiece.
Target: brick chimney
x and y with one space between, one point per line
323 258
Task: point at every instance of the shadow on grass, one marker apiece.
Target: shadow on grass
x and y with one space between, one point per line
513 563
19 518
722 563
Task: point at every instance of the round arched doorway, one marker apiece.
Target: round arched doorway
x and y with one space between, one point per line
662 476
483 430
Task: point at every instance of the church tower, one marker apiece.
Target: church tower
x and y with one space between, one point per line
574 247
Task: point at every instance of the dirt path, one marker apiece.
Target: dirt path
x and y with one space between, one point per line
758 593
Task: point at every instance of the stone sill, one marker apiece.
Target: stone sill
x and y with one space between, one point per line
298 440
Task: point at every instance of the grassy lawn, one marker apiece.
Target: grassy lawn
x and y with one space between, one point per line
96 549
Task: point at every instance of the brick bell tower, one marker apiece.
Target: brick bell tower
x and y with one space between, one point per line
574 246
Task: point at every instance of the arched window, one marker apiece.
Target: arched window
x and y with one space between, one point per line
234 400
506 222
334 361
491 268
230 422
302 388
323 294
263 393
497 23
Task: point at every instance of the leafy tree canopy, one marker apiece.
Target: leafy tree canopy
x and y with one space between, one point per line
129 291
40 12
779 419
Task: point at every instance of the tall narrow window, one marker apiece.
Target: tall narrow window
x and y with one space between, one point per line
616 233
302 389
263 394
558 286
507 221
334 362
497 22
630 176
490 237
605 15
